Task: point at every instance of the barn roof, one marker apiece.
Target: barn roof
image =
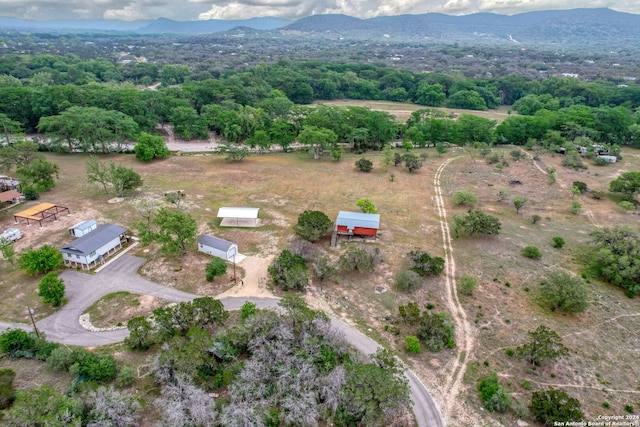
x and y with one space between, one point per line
243 213
83 225
215 242
92 241
358 219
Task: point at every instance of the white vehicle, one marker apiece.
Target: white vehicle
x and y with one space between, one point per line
11 234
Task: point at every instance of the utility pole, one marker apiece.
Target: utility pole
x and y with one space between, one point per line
33 321
235 281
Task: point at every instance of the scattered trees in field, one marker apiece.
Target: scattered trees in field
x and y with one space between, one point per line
149 147
174 229
323 268
234 152
88 129
51 289
565 292
436 330
476 222
40 174
312 225
555 406
8 250
113 178
544 345
519 202
40 261
465 198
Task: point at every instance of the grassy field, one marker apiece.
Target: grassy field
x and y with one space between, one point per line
604 340
402 110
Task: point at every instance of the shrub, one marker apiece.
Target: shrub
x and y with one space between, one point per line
558 242
580 186
628 408
7 390
493 395
424 264
550 406
408 280
215 268
312 225
535 219
40 261
565 292
412 344
366 206
627 205
51 289
531 252
364 165
437 331
509 352
126 376
289 271
30 193
467 284
465 198
247 310
575 207
17 343
599 161
361 258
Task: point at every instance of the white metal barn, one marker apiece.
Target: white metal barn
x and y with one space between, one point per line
217 247
238 217
82 228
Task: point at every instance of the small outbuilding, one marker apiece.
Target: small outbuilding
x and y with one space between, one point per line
217 247
82 228
238 217
357 224
10 196
91 249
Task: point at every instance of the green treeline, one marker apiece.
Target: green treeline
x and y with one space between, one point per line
64 96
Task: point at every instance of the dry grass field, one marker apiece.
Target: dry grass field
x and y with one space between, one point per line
604 340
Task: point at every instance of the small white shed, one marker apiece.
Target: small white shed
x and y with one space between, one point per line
82 228
217 247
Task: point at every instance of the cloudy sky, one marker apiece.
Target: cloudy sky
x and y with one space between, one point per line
191 10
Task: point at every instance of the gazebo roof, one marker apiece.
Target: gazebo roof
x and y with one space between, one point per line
242 213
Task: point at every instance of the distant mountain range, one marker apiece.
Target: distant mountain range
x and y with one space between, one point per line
586 27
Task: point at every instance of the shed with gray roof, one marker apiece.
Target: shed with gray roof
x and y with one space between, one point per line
217 247
357 223
92 248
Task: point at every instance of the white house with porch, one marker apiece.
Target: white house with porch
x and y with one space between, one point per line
92 248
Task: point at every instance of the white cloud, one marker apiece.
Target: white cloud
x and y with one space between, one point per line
294 9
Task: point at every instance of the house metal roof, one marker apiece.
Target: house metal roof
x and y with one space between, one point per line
358 219
5 196
92 241
215 242
83 225
243 213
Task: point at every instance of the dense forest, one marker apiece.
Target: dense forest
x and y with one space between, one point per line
264 104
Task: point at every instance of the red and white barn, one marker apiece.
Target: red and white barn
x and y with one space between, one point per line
357 224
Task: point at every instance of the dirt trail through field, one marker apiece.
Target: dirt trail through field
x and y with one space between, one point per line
253 284
464 336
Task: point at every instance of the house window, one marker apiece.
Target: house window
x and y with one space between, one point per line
92 254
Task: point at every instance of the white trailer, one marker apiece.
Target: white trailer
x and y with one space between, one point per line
12 234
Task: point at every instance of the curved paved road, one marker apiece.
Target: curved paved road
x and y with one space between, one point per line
83 289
